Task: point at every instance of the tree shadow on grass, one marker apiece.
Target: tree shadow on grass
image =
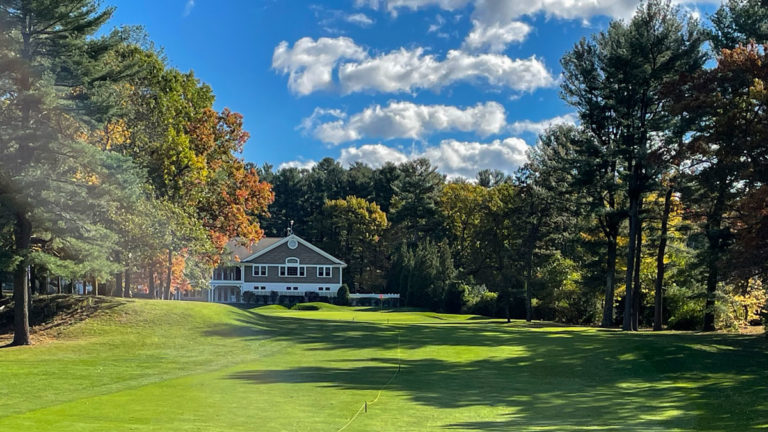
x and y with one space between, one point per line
557 379
51 312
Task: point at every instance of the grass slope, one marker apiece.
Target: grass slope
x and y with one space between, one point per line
172 366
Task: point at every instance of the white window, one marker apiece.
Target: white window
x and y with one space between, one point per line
292 268
260 270
324 271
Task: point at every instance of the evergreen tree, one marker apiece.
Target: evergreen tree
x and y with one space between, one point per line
55 187
414 208
739 22
619 75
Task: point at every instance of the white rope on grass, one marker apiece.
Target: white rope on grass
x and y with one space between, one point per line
365 404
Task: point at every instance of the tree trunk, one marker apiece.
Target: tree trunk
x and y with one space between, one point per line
71 288
167 294
658 292
709 308
633 219
508 306
119 284
46 283
610 278
152 290
532 234
58 285
528 300
127 287
23 237
636 277
714 237
95 290
33 282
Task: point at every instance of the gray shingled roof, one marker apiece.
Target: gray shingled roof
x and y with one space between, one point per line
237 250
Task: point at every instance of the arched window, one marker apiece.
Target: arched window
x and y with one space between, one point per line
292 268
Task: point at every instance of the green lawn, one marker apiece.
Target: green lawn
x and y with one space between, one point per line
176 366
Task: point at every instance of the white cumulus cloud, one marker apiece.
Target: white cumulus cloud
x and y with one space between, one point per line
409 70
405 120
453 158
495 36
300 164
374 155
465 159
310 66
310 63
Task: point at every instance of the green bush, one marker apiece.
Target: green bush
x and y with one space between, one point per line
249 297
689 316
305 307
342 296
486 305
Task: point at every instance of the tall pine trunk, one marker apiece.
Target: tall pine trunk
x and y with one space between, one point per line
709 309
658 299
636 277
58 285
21 298
46 283
34 284
118 284
610 282
714 237
633 220
533 233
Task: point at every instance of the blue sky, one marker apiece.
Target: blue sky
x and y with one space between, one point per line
467 83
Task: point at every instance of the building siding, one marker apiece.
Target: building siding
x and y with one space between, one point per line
279 254
273 275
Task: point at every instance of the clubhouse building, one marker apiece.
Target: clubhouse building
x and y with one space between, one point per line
274 269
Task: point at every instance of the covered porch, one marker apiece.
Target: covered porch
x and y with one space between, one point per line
225 293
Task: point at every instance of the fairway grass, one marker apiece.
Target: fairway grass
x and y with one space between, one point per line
183 366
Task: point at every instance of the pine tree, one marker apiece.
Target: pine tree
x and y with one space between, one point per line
55 187
618 76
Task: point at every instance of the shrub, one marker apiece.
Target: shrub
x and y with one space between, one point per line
688 317
249 297
486 305
342 296
305 307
